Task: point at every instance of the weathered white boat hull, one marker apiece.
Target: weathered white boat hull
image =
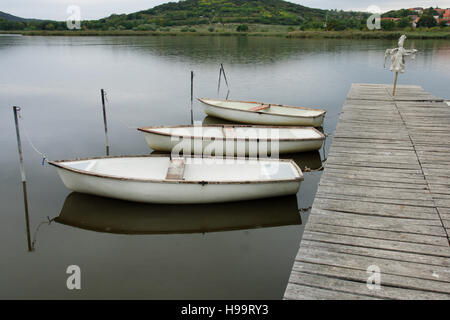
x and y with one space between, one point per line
160 179
261 118
172 192
228 147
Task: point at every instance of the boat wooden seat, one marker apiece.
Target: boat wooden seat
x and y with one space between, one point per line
176 169
228 132
261 107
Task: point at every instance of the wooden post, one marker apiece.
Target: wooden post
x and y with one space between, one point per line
22 173
192 97
104 121
395 83
220 76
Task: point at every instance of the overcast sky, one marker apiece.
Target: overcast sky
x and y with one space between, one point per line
95 9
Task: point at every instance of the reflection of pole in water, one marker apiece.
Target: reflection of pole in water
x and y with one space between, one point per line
222 71
24 181
323 149
104 120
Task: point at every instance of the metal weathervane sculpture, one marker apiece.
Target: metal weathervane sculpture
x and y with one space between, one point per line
397 56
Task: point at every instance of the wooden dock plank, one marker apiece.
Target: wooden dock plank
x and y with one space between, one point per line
357 239
383 200
413 226
363 262
360 287
377 209
396 236
379 253
361 275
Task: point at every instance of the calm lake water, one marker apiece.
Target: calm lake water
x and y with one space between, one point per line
125 250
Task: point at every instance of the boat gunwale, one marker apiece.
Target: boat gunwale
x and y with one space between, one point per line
323 112
150 129
57 163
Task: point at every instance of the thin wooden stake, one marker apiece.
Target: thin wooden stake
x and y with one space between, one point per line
24 180
222 71
395 83
192 97
220 76
104 121
224 75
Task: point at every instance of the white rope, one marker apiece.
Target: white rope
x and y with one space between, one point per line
306 169
48 222
27 136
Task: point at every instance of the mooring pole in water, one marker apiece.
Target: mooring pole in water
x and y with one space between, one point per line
222 71
104 121
22 173
395 83
192 97
218 83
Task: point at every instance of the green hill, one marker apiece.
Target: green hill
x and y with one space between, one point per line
209 13
197 12
10 17
226 11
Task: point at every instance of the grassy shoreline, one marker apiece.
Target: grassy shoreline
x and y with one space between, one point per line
444 34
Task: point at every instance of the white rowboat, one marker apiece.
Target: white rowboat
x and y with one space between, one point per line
233 140
160 179
262 113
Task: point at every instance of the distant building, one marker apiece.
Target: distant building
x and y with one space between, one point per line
418 10
446 17
415 18
392 19
447 22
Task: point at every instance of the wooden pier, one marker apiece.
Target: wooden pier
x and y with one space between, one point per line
383 202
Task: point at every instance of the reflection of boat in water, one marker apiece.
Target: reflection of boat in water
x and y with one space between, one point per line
208 120
305 160
116 216
213 120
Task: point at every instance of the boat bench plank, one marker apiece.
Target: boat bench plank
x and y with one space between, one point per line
176 169
261 107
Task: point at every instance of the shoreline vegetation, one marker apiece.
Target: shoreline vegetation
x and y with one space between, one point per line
276 18
345 34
